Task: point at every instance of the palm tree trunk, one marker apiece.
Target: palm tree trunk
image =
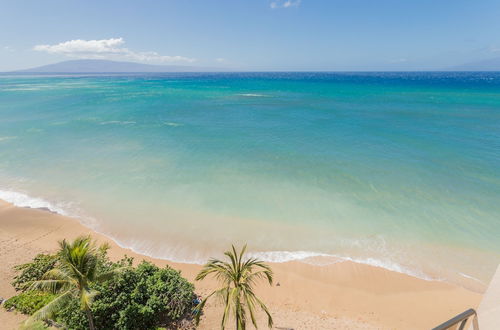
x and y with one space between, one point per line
90 318
239 324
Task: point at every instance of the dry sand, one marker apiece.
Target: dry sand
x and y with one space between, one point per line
344 295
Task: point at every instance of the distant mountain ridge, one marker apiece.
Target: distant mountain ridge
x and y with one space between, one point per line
106 66
492 64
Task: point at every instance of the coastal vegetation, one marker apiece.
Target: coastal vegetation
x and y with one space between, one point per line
79 288
71 279
238 277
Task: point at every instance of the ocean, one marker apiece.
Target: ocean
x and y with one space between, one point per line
396 170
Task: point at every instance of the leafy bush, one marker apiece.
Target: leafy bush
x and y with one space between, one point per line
33 271
36 325
142 297
29 302
138 298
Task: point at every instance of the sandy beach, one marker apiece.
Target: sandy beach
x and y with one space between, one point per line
344 295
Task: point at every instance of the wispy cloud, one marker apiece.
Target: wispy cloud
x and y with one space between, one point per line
8 49
284 3
106 49
494 49
399 60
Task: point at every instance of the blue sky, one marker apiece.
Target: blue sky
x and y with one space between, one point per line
252 34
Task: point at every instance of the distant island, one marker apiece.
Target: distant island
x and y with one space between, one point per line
492 64
92 66
105 66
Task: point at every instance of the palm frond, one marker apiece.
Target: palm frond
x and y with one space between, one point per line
108 275
76 271
238 276
228 305
48 310
218 268
52 286
261 274
57 274
250 302
198 309
264 308
243 250
87 297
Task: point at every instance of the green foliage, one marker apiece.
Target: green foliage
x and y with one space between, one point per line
137 298
33 271
142 297
29 302
237 276
77 269
37 325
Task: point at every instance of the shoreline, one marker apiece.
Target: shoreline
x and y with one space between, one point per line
341 295
466 281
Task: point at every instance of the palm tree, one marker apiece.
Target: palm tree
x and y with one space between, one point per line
237 278
77 268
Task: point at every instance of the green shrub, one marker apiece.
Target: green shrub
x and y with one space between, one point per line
138 298
33 271
36 325
142 297
29 302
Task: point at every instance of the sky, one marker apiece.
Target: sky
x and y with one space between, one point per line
327 35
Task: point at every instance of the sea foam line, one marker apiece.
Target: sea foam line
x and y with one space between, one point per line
6 138
286 256
252 95
23 200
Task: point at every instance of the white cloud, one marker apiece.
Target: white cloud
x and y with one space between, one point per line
284 3
79 46
8 48
106 49
220 60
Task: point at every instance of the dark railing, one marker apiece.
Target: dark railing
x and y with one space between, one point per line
460 320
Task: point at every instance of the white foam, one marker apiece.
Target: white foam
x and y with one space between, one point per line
23 89
6 138
172 124
303 256
252 95
22 200
286 256
392 266
39 87
175 254
471 277
117 122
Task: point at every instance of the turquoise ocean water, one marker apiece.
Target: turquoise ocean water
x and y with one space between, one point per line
398 170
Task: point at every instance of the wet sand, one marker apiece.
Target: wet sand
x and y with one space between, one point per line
343 295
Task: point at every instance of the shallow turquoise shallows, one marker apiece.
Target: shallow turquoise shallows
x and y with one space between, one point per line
398 170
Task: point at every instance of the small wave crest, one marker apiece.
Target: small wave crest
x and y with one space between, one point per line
7 138
117 122
169 123
392 266
286 256
175 253
324 259
252 95
470 277
22 200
